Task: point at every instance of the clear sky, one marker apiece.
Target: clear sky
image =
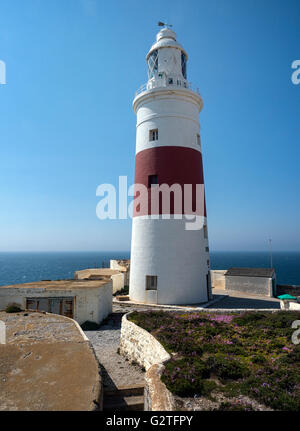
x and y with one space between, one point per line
67 125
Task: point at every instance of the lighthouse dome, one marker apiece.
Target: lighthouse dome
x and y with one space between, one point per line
166 38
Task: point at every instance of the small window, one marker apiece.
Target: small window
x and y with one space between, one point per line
152 180
170 80
153 135
208 263
205 231
151 282
207 249
198 140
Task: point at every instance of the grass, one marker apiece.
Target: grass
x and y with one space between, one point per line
249 353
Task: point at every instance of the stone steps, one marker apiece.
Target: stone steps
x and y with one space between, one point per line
124 398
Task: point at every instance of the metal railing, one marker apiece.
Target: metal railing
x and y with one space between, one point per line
157 84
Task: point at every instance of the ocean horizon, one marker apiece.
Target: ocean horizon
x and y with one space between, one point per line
25 267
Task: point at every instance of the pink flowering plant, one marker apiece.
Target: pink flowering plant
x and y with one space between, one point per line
235 354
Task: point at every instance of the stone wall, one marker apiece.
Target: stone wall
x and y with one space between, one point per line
140 346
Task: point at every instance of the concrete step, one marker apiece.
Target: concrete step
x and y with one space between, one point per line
125 391
118 403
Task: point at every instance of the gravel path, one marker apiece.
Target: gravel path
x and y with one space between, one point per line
116 371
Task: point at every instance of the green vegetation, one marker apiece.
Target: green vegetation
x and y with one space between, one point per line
124 291
90 326
248 353
13 309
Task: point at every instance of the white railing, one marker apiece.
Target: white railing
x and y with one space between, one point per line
156 84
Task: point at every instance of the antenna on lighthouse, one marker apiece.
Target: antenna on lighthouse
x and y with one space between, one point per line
164 24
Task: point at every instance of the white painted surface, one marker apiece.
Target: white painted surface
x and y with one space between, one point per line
175 117
93 304
177 256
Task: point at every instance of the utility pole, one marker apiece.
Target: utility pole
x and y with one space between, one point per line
271 254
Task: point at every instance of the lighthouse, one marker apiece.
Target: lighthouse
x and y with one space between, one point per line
169 247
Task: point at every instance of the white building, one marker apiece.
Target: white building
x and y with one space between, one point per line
169 264
82 300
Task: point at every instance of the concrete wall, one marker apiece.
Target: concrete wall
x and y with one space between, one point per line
93 304
140 346
251 285
118 282
115 264
218 278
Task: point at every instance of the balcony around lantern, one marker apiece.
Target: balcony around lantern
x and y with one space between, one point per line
172 83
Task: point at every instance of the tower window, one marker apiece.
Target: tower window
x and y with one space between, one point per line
170 81
183 65
153 64
153 135
152 179
205 231
151 282
198 140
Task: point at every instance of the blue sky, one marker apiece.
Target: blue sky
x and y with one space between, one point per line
67 125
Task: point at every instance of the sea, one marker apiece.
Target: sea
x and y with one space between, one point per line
25 267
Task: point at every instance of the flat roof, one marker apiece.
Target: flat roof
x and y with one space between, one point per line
251 272
47 364
60 284
92 273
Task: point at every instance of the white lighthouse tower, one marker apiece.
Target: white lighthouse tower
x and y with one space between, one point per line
169 258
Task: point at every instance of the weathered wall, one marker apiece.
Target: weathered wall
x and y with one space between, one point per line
251 285
92 304
218 278
156 396
118 282
140 346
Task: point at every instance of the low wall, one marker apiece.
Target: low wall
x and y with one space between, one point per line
289 305
140 346
218 278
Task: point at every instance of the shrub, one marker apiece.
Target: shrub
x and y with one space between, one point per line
123 291
13 309
227 367
90 326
